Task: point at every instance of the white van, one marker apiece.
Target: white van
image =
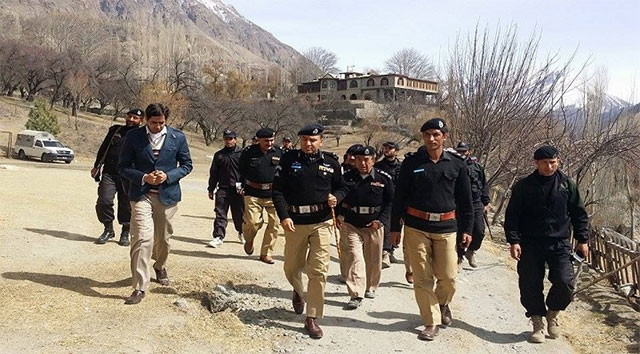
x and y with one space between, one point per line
42 145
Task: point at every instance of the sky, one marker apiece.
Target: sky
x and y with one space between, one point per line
364 34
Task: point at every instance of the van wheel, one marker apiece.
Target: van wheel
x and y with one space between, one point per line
45 158
21 155
67 161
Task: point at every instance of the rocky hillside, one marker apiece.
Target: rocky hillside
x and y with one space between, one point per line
207 29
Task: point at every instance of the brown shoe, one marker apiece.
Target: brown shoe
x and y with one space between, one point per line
162 277
312 328
248 247
445 315
135 298
409 277
298 303
266 259
429 333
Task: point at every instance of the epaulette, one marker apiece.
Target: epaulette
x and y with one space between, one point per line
331 154
383 173
247 148
454 153
409 154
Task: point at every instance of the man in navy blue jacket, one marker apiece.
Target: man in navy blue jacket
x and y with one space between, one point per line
153 158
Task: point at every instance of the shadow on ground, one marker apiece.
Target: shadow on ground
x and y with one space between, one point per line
62 234
81 285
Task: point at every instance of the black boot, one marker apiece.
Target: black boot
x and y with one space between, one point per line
124 236
106 234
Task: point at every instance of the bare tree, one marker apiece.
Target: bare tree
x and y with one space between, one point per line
324 59
410 62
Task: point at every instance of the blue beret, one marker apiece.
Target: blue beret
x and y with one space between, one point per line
311 129
365 151
435 123
136 112
228 134
265 133
545 152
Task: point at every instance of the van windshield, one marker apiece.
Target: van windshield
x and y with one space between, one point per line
53 144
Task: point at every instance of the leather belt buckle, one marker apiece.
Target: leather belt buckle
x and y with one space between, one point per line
265 187
363 210
434 216
304 209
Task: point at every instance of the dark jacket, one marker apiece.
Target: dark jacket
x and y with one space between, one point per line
433 187
531 215
479 185
392 168
111 146
225 168
136 159
258 167
376 190
301 181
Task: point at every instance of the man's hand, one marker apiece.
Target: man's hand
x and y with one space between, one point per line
94 171
584 248
466 240
338 223
516 251
211 195
487 207
375 225
332 200
150 178
287 225
160 176
394 238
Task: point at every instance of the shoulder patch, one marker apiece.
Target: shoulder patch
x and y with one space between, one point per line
383 173
455 154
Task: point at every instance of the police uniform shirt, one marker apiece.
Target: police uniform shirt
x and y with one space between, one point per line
260 168
224 171
479 186
433 187
111 145
301 180
375 190
392 168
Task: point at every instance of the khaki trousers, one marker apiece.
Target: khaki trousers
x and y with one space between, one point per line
314 239
253 222
433 257
150 232
364 258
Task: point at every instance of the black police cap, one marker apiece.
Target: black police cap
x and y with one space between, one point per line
265 133
391 145
229 134
365 151
352 149
462 146
435 123
311 129
545 152
136 112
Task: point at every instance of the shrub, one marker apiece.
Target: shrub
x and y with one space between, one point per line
42 118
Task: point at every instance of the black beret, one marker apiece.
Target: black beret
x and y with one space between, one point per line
365 151
265 133
136 112
311 129
352 149
435 123
228 134
545 152
286 138
462 146
391 145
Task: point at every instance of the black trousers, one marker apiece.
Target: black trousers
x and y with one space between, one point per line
225 198
531 270
109 186
477 235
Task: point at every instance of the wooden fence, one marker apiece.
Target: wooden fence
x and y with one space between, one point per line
611 250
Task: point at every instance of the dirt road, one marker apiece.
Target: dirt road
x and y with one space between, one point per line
61 293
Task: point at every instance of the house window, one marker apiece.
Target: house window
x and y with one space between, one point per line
384 82
400 81
353 97
370 83
324 84
353 84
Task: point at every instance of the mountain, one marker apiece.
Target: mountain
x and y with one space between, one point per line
208 30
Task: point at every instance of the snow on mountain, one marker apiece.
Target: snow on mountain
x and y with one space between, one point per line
225 12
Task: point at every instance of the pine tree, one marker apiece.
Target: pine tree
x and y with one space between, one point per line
42 118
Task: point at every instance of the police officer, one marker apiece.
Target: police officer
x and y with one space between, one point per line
391 165
225 180
367 208
307 184
433 187
541 208
348 160
480 198
257 166
110 181
348 164
287 144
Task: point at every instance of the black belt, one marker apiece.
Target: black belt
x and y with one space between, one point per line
307 209
362 210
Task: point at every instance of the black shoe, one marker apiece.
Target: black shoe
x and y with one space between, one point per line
354 303
124 238
106 235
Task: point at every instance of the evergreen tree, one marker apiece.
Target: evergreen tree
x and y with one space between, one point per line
42 118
